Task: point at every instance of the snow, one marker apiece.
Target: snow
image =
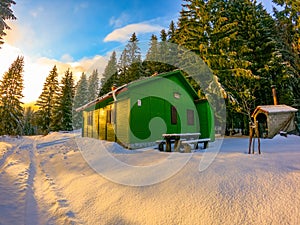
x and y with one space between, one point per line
47 180
275 109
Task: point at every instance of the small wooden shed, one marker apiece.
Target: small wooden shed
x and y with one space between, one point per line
137 114
273 119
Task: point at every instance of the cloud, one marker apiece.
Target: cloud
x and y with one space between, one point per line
118 22
36 12
66 58
124 33
37 69
82 5
24 36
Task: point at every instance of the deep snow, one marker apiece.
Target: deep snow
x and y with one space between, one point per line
46 180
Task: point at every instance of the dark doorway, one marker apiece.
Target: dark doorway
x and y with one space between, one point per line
261 118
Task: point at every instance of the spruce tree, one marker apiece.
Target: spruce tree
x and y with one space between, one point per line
93 86
81 98
62 111
29 123
166 53
6 13
287 29
151 63
171 32
110 75
135 70
46 101
56 112
11 110
123 65
130 63
235 39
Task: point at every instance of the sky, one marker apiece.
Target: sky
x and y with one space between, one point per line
78 34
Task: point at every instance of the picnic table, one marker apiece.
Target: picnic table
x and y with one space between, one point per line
177 137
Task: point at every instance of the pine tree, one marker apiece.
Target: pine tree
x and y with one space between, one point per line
123 65
151 63
171 32
193 28
167 53
11 110
135 70
110 75
56 112
93 86
46 101
6 13
62 111
287 29
29 123
130 63
80 99
236 39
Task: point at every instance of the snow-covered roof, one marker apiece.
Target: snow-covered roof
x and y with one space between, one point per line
99 99
274 109
140 81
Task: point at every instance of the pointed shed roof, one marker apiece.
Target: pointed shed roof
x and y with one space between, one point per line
270 109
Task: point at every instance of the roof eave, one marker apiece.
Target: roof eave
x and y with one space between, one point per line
103 97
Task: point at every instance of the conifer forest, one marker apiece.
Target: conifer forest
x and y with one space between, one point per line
246 47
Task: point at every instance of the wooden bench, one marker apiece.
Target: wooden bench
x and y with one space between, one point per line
187 146
161 143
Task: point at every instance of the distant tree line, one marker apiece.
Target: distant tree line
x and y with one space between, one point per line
55 106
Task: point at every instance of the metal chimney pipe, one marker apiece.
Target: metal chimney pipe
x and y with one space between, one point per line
274 94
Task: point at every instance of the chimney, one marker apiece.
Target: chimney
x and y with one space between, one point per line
155 74
274 94
113 87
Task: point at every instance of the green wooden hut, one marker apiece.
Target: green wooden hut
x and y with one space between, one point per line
137 114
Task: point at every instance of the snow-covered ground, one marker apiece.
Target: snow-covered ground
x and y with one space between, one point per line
46 180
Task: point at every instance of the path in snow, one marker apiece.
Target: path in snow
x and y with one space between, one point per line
28 194
15 170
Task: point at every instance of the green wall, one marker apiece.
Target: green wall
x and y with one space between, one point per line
206 118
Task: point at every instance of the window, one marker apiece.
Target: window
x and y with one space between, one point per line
176 95
190 117
173 115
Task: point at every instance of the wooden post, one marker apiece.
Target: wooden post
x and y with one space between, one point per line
274 94
258 137
253 146
177 144
250 137
168 144
253 133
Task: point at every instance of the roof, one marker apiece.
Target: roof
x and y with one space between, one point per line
111 96
108 96
270 109
175 73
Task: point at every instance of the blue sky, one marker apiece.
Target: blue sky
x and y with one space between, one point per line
78 34
80 28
